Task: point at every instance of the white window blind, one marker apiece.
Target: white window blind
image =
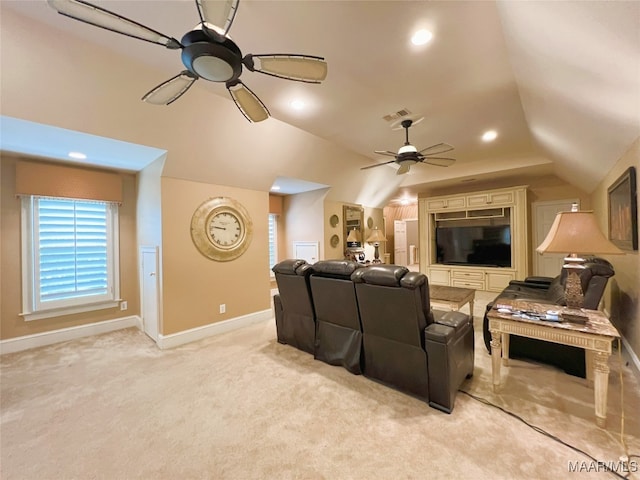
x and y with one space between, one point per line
71 249
273 240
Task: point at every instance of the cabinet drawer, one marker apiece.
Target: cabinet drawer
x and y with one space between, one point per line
475 284
464 275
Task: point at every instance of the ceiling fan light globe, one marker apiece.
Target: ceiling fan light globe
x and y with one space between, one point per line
407 149
212 68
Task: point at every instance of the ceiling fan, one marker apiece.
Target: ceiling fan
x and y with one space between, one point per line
207 52
408 154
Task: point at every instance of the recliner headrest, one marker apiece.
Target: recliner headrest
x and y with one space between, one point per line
288 267
338 268
385 275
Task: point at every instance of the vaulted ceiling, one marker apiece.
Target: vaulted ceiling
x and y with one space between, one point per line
558 81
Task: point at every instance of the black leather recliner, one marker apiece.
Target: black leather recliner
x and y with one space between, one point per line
406 344
293 305
338 331
593 278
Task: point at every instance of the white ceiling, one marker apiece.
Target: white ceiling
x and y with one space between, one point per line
559 81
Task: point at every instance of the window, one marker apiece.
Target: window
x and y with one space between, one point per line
273 240
69 256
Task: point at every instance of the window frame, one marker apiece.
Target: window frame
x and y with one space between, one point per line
32 308
273 216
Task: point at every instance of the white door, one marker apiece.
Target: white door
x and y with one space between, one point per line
309 251
400 242
149 302
544 213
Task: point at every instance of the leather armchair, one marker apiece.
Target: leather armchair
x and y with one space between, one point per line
338 331
293 305
593 278
406 344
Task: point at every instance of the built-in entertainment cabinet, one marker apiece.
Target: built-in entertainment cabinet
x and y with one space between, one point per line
475 240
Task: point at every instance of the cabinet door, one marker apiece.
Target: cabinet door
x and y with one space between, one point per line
446 203
439 276
498 281
478 200
482 199
501 198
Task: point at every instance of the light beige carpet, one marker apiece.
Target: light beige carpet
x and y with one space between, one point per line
242 406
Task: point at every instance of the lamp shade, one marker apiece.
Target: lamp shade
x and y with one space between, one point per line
353 236
376 236
577 232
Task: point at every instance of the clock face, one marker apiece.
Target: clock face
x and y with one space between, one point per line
221 229
225 229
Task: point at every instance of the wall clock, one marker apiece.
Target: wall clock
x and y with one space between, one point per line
221 229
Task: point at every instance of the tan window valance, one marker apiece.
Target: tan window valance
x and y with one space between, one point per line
44 179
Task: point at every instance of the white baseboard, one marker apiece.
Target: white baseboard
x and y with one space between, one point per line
26 342
199 333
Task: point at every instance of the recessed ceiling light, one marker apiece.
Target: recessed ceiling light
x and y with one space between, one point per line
77 155
297 104
275 188
404 201
489 136
421 37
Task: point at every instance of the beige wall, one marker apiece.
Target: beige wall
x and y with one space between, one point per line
11 323
303 220
393 213
193 285
623 291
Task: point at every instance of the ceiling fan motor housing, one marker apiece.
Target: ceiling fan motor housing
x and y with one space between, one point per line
211 56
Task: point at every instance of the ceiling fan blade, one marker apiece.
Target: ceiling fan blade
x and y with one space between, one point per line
301 68
404 168
377 165
247 101
386 152
439 147
218 13
440 161
100 17
169 91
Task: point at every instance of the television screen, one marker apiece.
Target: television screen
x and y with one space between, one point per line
487 246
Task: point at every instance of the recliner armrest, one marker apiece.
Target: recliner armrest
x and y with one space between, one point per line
446 326
539 280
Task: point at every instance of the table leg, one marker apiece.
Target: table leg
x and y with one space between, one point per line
505 349
601 384
496 352
588 360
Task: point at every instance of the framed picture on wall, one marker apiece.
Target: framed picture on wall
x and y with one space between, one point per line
623 211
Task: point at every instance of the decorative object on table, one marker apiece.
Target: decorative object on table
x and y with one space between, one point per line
576 232
409 155
335 240
207 52
623 211
376 237
334 220
221 229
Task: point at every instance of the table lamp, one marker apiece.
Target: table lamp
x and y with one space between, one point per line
576 232
376 237
353 239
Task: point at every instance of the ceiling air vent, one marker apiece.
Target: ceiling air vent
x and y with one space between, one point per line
396 115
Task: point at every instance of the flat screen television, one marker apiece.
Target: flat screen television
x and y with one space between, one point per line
486 246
